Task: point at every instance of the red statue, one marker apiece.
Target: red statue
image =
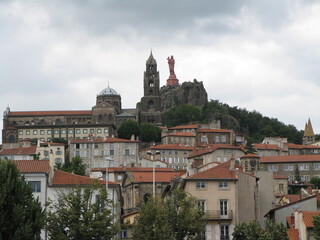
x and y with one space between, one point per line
172 80
171 65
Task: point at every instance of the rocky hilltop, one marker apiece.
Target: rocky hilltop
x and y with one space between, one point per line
192 93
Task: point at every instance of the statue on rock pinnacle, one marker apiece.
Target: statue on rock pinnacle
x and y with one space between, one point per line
172 80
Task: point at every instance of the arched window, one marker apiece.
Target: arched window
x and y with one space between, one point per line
151 84
110 117
151 105
100 118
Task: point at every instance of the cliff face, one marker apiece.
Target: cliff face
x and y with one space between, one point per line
192 93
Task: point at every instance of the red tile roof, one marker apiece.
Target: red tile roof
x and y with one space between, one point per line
32 166
250 155
52 113
293 197
19 151
62 178
204 149
191 126
101 140
277 176
133 169
147 177
293 234
172 147
182 134
221 171
298 146
51 144
263 146
204 130
290 158
308 217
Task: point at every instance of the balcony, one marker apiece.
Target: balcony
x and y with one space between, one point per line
215 215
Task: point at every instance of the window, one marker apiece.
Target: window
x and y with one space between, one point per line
185 160
96 145
170 160
224 232
202 205
200 185
20 132
124 233
58 152
288 167
291 178
56 132
304 167
35 132
176 160
272 168
27 132
99 130
91 130
111 152
119 177
49 132
126 152
204 139
316 166
223 207
106 130
58 160
46 153
305 178
78 131
223 184
223 138
70 131
96 152
77 153
217 139
63 131
35 186
218 159
85 131
281 187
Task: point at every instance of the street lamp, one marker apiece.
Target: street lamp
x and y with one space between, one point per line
153 154
108 160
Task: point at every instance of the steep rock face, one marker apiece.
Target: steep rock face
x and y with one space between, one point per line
192 93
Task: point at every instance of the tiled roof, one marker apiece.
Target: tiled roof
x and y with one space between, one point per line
101 140
201 150
133 169
308 217
172 147
32 166
277 176
250 155
147 177
221 171
62 178
19 151
206 130
51 144
293 234
182 134
264 146
52 113
290 158
299 146
191 126
293 197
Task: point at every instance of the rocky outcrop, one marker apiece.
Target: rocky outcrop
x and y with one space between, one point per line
192 93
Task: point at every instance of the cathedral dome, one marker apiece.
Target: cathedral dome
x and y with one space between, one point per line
108 91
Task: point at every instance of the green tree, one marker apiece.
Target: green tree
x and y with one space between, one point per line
315 181
297 176
149 132
76 215
276 231
127 129
175 218
21 215
316 223
76 166
182 114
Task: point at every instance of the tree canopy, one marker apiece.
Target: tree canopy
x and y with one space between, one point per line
182 114
316 223
149 132
127 129
21 215
176 218
76 166
79 214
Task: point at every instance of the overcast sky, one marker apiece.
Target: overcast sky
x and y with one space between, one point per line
258 55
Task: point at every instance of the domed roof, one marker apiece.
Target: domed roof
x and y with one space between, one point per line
108 91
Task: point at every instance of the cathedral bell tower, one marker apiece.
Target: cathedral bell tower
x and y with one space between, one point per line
150 104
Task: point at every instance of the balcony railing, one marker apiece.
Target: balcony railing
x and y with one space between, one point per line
216 215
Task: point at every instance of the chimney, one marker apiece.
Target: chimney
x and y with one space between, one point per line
132 137
232 163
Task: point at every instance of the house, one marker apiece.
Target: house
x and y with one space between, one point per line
185 134
263 149
226 195
95 151
308 165
300 224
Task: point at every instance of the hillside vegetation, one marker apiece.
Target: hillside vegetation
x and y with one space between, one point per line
252 124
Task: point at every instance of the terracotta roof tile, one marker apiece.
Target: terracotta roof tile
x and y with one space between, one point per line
250 155
133 169
52 113
221 171
101 140
172 147
191 126
32 166
204 130
298 146
290 158
264 146
293 234
147 177
19 151
277 176
62 178
204 149
293 197
182 134
308 217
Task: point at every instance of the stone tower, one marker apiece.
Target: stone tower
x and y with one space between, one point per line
150 104
308 136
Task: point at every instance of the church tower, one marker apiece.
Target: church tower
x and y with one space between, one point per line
150 104
308 136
